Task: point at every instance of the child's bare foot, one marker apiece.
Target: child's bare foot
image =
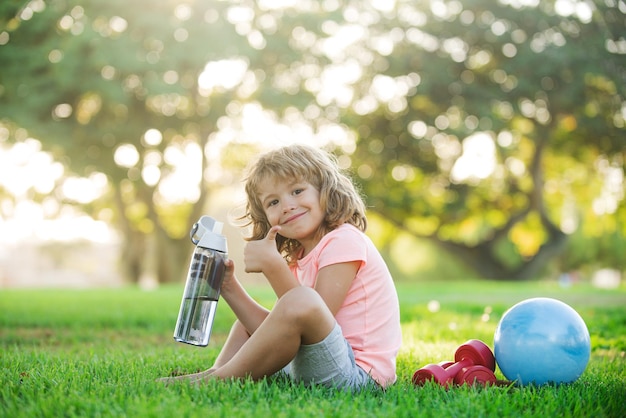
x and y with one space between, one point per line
189 378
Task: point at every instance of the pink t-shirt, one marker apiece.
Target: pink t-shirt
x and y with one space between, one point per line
370 314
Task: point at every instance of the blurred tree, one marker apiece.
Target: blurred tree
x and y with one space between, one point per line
490 128
493 129
498 128
114 87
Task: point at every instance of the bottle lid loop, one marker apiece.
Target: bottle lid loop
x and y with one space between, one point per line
192 234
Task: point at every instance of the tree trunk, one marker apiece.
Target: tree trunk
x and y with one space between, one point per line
132 242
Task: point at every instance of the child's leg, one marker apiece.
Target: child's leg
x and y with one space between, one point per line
299 317
236 339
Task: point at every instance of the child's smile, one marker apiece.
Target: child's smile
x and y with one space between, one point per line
295 206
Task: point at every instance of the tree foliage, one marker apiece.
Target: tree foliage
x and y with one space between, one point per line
91 79
493 128
549 92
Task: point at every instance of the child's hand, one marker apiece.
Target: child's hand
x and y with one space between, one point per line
229 275
258 255
229 271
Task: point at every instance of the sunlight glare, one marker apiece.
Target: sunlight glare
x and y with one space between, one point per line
118 24
126 155
336 83
182 183
24 167
383 87
153 137
580 9
226 74
612 191
383 5
84 189
478 160
433 306
29 224
283 4
151 174
183 12
518 4
340 39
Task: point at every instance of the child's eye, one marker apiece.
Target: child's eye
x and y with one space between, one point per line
272 203
298 191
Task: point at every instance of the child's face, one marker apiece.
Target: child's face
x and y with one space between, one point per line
295 206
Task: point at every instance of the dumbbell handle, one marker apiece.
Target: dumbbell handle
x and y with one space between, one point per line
455 368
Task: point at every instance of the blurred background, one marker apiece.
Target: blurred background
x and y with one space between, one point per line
489 136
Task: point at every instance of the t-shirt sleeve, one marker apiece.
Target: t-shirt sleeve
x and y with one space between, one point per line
343 245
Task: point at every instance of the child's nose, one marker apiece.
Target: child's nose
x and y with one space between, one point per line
288 205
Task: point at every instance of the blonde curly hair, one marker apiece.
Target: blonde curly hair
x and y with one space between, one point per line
339 198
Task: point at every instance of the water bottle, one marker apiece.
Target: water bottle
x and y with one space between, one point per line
204 280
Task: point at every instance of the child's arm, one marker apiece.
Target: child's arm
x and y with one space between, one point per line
333 282
248 311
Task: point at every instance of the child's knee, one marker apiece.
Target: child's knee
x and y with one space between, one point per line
304 303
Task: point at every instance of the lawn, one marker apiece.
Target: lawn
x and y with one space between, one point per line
91 353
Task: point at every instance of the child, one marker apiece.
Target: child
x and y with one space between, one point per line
336 321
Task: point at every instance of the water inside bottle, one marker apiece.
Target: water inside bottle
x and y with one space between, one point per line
197 316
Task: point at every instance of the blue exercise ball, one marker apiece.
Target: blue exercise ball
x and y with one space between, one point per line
542 340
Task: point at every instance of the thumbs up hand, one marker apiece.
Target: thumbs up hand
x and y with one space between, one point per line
261 254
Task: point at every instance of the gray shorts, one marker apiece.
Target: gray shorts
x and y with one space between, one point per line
330 363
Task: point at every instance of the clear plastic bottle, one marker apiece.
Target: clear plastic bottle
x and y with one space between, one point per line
204 280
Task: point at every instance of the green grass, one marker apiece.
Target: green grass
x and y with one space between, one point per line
90 353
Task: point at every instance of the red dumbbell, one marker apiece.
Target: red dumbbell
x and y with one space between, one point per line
473 363
467 375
